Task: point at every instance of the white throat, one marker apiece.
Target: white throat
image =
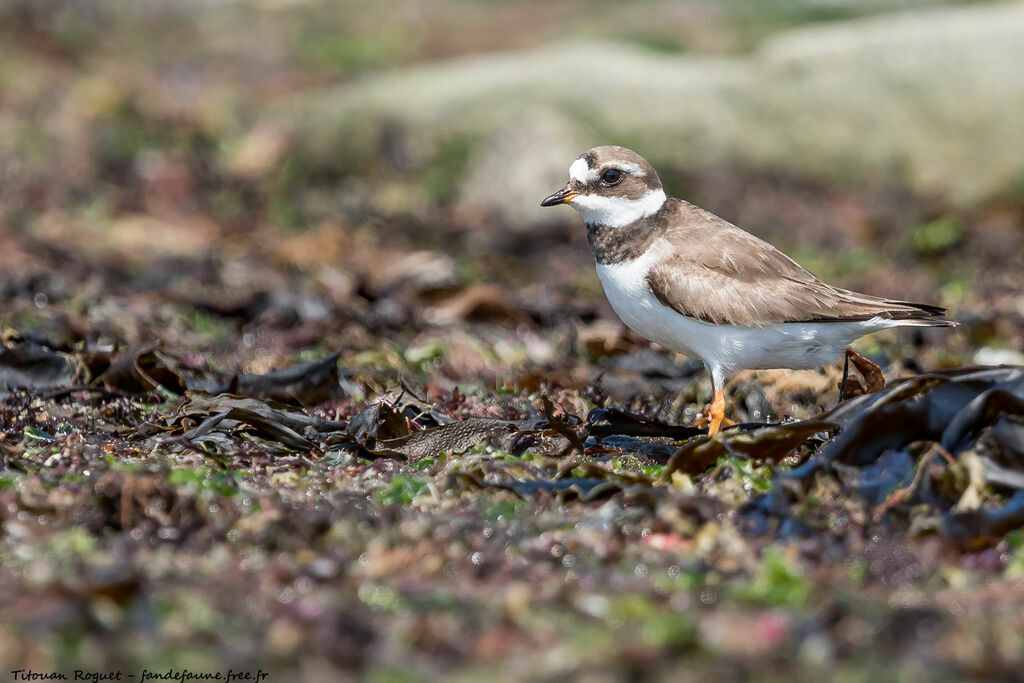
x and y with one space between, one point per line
617 212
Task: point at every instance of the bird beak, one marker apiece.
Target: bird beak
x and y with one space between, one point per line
563 196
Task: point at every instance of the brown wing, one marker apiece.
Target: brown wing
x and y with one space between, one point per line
717 273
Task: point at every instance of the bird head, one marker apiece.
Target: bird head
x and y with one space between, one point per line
610 186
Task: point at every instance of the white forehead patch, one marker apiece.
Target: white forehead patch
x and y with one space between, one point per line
617 212
580 171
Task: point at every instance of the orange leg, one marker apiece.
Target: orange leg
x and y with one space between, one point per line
717 412
713 414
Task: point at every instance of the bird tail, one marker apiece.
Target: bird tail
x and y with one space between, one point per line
902 313
918 315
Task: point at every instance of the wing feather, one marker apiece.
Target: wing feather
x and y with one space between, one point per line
717 273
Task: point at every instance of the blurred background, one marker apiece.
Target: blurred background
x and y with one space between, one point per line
244 184
271 167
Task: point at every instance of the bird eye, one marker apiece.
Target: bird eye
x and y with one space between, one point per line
612 176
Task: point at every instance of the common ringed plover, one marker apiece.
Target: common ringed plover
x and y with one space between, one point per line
698 285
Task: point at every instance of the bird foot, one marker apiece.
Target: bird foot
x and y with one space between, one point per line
713 415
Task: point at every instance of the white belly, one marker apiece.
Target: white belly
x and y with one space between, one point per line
724 348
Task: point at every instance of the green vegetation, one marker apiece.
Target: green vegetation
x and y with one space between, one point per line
273 396
402 490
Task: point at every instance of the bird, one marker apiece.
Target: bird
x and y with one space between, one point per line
698 285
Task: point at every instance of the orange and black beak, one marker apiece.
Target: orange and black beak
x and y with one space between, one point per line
563 196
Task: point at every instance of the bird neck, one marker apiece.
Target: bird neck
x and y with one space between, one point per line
614 244
618 211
